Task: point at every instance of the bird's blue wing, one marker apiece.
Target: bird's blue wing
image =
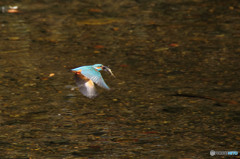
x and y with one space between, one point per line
95 76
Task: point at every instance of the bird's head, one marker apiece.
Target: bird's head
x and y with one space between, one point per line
100 67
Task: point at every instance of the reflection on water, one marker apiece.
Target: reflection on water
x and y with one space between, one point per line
176 91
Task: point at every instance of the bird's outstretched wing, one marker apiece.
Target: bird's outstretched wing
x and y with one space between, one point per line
87 88
95 76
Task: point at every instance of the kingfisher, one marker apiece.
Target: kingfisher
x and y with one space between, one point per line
86 76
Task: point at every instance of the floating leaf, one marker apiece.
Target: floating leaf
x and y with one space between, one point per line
13 38
96 52
99 47
51 74
115 28
174 45
95 10
150 132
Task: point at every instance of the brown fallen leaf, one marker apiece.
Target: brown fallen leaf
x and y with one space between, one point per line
174 45
95 10
98 46
115 28
51 74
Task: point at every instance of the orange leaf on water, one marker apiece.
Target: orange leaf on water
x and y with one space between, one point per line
51 75
99 47
123 65
96 10
150 132
115 28
174 45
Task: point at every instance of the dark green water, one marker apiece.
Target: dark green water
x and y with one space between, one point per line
176 94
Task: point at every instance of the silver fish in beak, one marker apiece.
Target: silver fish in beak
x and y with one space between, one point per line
107 69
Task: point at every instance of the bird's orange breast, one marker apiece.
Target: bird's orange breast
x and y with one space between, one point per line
81 75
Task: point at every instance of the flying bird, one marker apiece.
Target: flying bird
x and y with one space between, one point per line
86 76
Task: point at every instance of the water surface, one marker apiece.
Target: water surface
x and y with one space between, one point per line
177 88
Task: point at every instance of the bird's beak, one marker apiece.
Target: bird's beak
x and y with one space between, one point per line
107 69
